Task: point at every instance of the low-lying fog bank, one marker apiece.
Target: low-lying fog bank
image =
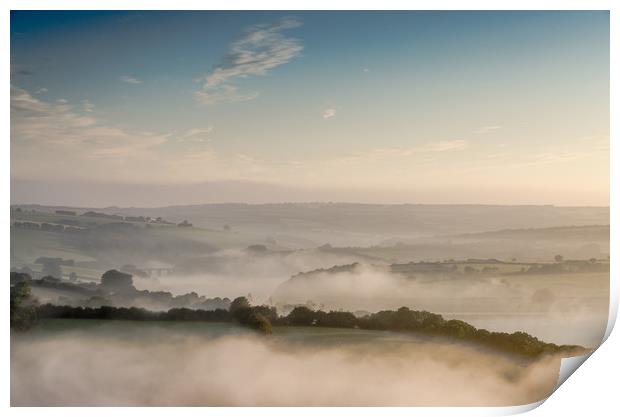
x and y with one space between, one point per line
558 307
233 272
151 364
563 308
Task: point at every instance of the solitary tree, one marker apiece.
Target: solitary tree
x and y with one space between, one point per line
116 281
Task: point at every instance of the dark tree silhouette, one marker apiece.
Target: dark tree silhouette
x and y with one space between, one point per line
117 282
23 307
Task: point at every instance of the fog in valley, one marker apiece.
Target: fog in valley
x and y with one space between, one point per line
506 279
548 278
305 208
233 272
541 270
167 366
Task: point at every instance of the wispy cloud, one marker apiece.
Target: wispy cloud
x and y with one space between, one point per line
224 92
329 113
41 126
554 157
51 139
87 106
445 145
130 79
260 49
486 129
54 140
393 154
41 90
196 135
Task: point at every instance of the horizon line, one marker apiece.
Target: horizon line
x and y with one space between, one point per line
240 203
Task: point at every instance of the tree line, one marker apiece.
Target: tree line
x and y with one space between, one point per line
25 312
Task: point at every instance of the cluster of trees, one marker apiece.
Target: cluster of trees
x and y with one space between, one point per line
424 322
46 227
23 307
25 312
404 319
102 215
53 266
257 317
304 316
138 219
75 226
591 265
51 311
115 282
116 289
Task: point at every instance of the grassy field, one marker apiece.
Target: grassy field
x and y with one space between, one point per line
150 332
27 245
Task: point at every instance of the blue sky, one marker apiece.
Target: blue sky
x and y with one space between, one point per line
512 107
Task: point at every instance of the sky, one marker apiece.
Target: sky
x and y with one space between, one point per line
151 108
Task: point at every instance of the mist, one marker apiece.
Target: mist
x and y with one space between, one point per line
122 366
168 211
561 309
233 272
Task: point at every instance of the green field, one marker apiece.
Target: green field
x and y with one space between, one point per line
148 332
97 249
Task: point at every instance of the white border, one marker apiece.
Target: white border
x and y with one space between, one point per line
573 398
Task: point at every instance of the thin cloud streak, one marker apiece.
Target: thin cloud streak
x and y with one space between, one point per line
87 106
329 113
394 154
52 126
68 139
486 129
197 135
445 145
130 80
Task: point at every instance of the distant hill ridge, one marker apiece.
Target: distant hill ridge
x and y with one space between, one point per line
378 220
